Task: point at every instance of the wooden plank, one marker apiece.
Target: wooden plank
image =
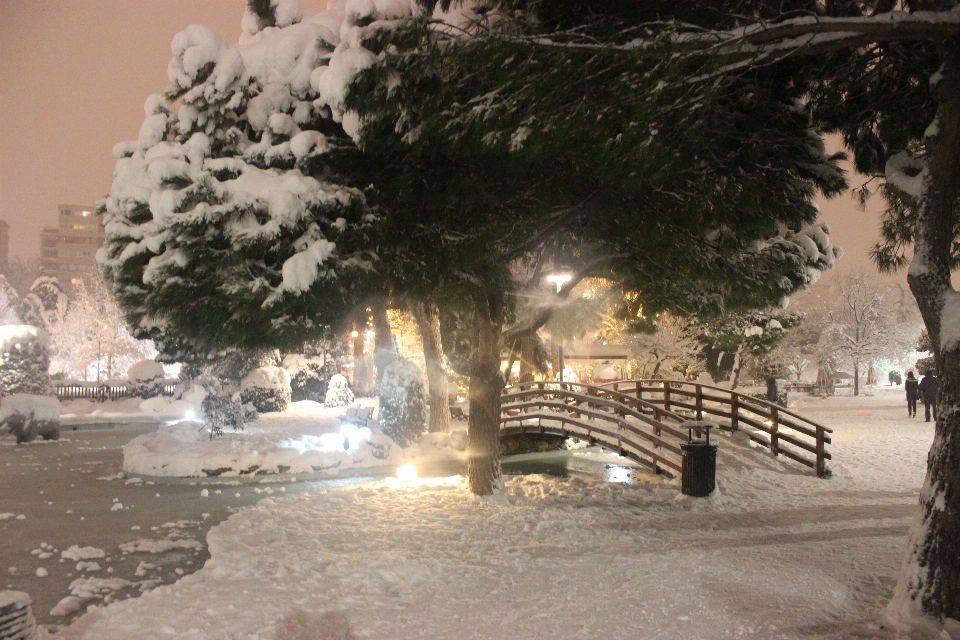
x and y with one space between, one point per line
798 458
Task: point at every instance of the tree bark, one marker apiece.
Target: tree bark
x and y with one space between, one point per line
556 355
930 578
385 347
428 322
486 383
856 379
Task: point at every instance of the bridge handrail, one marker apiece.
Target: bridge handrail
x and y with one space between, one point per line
563 388
737 402
748 398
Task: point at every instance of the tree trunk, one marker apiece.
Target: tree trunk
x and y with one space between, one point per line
360 382
385 348
737 366
773 390
527 348
428 322
557 358
930 577
486 383
856 379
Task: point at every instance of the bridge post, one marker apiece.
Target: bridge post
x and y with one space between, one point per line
734 411
666 395
821 458
774 430
699 402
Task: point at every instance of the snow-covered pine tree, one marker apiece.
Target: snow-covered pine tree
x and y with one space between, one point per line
403 402
338 392
45 304
9 303
223 231
24 360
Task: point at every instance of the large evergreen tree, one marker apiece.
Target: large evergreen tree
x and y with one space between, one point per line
886 76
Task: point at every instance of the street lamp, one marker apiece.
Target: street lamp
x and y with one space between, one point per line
559 279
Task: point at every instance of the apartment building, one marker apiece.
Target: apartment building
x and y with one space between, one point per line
68 251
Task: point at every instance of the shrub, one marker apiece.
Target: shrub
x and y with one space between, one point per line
309 376
221 412
29 416
338 392
267 389
403 402
24 360
145 379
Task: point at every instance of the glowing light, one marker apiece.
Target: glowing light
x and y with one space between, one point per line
370 335
559 279
190 415
354 334
407 472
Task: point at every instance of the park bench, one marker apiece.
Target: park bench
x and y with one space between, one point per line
360 416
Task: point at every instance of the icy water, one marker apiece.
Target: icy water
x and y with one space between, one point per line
69 491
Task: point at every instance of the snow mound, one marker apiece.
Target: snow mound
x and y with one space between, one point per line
30 406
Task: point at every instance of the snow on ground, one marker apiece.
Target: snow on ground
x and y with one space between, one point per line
773 553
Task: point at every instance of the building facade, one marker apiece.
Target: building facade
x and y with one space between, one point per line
68 251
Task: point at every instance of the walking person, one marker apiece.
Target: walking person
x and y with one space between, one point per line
928 392
913 394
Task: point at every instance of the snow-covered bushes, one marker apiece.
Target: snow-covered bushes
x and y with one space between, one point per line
221 412
146 379
24 360
338 392
28 416
403 402
309 376
267 389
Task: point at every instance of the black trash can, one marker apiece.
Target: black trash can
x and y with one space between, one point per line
698 472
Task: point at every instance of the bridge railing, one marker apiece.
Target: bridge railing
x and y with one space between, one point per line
784 432
635 428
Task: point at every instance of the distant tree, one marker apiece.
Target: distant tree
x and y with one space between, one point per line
45 304
672 349
91 339
9 303
753 334
866 323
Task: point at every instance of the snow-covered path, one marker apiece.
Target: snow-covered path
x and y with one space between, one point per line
774 553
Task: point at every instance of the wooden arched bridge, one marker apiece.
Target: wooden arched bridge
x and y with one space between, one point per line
648 420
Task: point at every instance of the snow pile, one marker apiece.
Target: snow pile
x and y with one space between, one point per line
306 439
77 553
338 392
146 379
24 360
267 389
308 376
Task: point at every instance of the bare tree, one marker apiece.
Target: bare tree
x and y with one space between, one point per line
867 323
91 338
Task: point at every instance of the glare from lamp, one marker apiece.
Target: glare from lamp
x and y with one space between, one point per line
559 279
371 334
407 472
354 334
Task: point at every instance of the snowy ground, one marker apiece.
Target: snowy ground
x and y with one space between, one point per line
774 553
